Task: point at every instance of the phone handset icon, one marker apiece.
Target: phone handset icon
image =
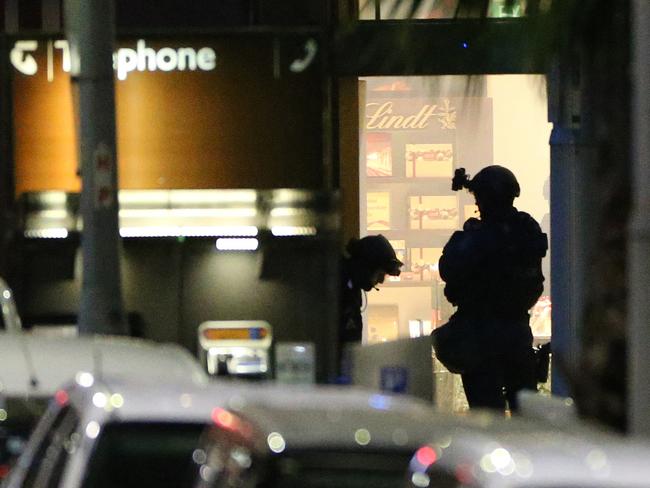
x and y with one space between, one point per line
299 65
21 58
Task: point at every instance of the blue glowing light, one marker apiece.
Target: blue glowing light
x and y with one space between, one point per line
465 44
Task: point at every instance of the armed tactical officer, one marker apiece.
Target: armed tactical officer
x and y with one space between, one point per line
367 263
492 270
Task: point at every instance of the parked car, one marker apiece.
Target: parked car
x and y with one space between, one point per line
34 367
122 433
318 437
528 453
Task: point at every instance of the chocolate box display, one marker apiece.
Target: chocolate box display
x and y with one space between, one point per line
429 160
433 212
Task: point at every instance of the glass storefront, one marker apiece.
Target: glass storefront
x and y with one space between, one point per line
416 131
437 9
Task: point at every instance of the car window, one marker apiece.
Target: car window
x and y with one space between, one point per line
333 469
312 469
18 416
130 455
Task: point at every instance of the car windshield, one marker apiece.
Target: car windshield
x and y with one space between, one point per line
143 454
328 469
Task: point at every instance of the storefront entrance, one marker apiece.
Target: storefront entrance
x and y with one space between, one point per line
415 131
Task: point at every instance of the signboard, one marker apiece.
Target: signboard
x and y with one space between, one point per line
193 113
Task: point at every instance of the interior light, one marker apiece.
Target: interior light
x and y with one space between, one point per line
239 230
166 231
234 244
152 213
213 197
3 415
149 197
293 230
288 212
52 233
52 198
53 214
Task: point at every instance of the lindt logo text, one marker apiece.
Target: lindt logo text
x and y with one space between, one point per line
381 116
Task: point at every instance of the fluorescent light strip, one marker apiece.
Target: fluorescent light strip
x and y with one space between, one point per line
186 212
288 212
221 230
150 231
234 244
293 230
53 233
188 231
54 214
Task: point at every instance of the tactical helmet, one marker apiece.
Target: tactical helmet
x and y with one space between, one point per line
376 252
495 184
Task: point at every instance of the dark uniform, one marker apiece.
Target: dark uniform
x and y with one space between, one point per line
368 262
492 270
350 322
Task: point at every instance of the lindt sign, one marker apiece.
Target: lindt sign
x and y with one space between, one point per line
383 116
126 60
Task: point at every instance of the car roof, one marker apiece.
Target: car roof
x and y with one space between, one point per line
345 418
38 366
139 400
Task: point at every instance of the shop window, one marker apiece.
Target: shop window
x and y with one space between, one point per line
415 132
441 9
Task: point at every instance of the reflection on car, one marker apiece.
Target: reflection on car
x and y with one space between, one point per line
317 437
118 433
525 453
34 367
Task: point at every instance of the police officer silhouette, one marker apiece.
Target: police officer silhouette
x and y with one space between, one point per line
366 264
492 273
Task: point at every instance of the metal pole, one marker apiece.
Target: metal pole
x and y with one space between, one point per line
90 28
639 228
568 231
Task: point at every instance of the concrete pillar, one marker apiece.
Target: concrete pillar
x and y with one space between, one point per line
639 228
